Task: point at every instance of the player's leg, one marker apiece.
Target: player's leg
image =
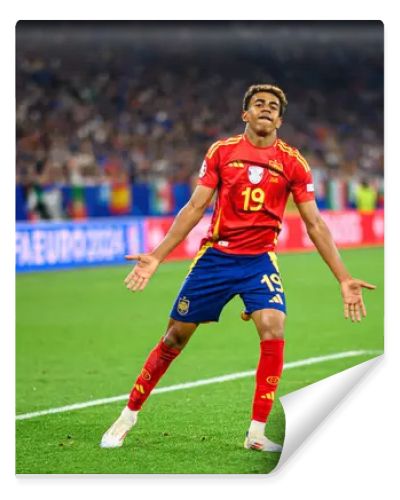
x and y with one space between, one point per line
270 327
265 303
167 349
201 298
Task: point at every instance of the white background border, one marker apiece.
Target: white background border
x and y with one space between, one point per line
353 452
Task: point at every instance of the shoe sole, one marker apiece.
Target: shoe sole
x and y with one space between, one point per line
118 445
254 446
258 447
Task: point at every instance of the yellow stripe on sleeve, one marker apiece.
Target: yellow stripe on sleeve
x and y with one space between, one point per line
227 142
294 153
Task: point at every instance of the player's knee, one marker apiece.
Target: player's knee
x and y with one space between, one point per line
271 328
178 334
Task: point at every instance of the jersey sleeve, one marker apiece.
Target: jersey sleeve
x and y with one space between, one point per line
209 171
302 185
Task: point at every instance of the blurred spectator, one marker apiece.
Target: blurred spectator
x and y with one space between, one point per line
366 197
95 111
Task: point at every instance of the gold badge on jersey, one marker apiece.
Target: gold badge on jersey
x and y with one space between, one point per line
183 306
276 165
276 168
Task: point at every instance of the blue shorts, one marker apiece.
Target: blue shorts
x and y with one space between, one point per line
215 277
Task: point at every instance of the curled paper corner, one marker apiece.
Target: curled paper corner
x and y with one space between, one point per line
305 409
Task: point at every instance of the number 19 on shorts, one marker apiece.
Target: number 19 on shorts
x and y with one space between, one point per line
273 282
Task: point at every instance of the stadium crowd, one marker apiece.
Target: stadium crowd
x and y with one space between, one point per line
115 112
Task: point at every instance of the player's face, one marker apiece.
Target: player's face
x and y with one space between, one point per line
262 115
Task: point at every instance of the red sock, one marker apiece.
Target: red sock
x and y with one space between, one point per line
154 368
268 373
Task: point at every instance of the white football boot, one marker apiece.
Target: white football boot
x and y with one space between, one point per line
261 443
115 435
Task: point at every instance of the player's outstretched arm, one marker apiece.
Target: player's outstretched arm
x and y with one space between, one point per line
184 222
351 288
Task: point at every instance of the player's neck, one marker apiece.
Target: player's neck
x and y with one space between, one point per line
260 141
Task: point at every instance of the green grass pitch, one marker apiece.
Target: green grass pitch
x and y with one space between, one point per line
80 336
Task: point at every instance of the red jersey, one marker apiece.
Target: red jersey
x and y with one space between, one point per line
253 186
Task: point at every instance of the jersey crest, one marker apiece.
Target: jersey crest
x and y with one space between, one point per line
255 174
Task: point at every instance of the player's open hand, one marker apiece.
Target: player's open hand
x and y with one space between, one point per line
146 266
352 298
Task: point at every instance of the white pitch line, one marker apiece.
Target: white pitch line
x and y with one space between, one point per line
196 383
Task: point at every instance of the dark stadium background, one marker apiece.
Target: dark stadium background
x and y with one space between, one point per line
140 103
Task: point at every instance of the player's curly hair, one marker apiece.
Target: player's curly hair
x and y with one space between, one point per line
265 87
